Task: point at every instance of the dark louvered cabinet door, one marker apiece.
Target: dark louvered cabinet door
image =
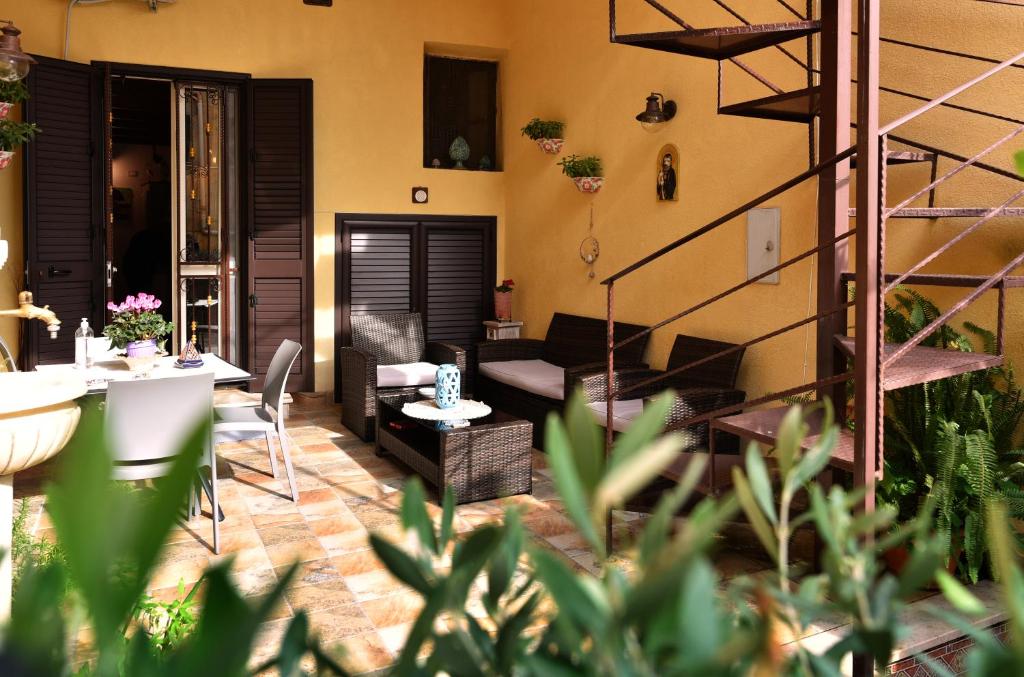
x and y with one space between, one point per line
280 229
455 262
63 205
380 271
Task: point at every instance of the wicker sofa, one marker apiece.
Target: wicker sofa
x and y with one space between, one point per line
530 378
388 354
700 389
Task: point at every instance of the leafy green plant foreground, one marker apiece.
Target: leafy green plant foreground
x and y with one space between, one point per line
671 615
111 538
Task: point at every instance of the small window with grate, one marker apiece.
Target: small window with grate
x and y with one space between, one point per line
460 100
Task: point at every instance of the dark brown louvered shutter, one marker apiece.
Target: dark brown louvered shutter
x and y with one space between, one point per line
456 284
63 205
281 225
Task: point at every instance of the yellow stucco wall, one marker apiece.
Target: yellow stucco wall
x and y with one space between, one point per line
366 62
597 87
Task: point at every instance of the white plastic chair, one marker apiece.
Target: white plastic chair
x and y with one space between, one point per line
268 417
148 421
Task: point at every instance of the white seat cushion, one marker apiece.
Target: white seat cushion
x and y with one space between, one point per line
625 411
413 374
534 376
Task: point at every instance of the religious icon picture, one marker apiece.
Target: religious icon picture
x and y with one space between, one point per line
667 176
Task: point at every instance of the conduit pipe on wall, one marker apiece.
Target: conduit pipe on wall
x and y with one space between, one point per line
153 4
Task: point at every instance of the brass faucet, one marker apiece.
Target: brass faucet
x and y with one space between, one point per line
27 311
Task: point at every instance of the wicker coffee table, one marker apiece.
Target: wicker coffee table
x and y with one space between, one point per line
487 459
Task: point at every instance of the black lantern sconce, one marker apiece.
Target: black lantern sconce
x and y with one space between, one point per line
14 63
658 111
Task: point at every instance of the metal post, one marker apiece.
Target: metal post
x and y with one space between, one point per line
833 190
609 433
867 363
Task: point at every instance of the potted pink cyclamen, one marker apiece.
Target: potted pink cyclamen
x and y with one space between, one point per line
137 328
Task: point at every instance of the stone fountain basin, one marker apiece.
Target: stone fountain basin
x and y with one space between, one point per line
38 415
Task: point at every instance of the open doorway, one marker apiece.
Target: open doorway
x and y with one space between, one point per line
142 232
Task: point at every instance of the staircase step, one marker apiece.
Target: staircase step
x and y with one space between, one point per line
762 425
721 43
923 364
901 157
946 212
801 105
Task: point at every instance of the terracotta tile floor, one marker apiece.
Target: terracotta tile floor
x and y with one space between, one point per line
346 491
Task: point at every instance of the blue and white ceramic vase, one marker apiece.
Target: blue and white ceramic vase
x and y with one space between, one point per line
448 386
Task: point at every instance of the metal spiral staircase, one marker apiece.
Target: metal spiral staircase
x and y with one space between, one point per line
824 105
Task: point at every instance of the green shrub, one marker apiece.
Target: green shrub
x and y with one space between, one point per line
543 129
574 166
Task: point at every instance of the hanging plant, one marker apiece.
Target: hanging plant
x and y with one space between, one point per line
12 135
547 134
10 94
586 172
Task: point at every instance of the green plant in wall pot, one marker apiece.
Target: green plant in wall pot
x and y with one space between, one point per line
12 135
10 94
586 172
547 134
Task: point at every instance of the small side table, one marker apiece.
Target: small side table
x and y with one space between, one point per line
502 330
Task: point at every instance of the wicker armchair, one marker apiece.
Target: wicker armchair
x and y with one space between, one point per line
380 340
573 346
699 389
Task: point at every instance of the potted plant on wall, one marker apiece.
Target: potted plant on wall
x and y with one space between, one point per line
586 172
12 135
547 134
11 93
136 328
503 300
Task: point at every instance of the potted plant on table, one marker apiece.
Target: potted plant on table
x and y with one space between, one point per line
12 135
586 172
137 328
547 134
503 300
10 94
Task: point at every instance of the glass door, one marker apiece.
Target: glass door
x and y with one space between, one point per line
207 262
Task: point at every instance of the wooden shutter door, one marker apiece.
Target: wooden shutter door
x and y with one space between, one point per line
281 225
457 283
63 205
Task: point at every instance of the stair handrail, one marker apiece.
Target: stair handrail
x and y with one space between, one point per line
930 328
732 214
730 350
956 91
955 170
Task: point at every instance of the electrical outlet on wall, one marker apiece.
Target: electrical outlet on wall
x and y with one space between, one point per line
763 230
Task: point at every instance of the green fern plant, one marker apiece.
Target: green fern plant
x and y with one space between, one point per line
953 439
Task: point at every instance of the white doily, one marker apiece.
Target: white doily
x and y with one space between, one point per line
427 410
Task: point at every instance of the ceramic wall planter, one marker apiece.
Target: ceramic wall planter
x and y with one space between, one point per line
588 184
6 157
5 109
503 305
550 146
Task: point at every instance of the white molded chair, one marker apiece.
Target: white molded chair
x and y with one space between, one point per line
269 416
149 420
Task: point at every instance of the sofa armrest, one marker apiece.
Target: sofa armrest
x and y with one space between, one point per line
448 353
593 383
358 370
503 350
692 402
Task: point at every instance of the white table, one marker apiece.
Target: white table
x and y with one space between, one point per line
102 372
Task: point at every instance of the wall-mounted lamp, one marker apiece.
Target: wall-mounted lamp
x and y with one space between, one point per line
14 63
658 110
